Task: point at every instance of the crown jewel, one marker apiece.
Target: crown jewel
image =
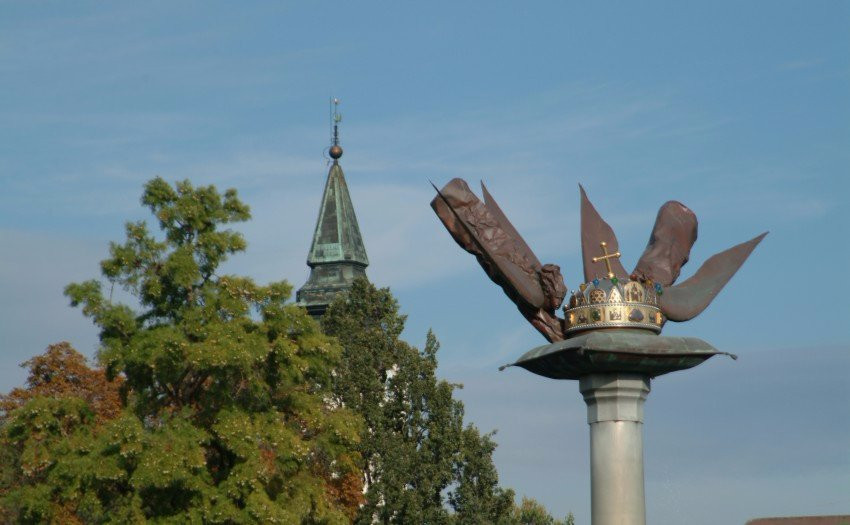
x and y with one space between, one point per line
610 303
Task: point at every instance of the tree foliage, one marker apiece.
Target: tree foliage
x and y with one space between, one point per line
62 372
216 401
420 463
531 512
227 389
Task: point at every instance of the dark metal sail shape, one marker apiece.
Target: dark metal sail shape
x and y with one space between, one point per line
688 299
669 246
593 231
506 225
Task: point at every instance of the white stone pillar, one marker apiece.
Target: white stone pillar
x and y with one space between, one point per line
615 415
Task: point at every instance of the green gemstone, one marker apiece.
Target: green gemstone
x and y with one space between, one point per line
614 280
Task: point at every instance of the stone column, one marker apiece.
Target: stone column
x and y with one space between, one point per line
615 415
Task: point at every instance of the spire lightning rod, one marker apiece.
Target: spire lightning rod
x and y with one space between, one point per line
335 118
335 151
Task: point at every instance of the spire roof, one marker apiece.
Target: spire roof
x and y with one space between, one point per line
337 256
337 236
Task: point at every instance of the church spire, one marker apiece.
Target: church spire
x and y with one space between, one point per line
337 255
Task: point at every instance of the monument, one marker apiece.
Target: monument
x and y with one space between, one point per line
337 254
609 338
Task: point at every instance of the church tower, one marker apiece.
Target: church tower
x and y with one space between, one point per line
337 255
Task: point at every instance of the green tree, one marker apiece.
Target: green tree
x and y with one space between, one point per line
531 512
228 414
420 464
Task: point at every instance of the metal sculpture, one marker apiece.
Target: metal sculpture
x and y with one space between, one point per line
609 337
482 229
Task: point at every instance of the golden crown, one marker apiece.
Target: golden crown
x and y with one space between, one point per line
609 302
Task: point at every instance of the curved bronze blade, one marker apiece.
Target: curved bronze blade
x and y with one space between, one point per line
506 225
687 300
483 230
593 231
669 246
500 251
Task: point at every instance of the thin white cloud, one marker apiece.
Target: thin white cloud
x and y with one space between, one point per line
806 63
521 152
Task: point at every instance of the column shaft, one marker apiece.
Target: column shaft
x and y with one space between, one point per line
615 415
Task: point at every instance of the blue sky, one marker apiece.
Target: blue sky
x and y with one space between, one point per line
741 111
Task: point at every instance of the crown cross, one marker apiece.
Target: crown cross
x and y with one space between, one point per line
606 257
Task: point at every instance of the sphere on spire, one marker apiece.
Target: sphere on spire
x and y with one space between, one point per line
335 152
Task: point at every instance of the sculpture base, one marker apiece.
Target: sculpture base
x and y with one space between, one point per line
616 350
614 368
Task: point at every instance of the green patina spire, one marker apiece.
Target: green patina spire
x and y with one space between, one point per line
337 255
337 235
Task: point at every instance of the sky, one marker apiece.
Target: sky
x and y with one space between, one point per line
739 110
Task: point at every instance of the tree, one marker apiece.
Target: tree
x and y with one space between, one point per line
62 391
62 372
418 459
531 512
477 497
228 416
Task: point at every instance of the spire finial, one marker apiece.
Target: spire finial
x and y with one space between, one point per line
336 150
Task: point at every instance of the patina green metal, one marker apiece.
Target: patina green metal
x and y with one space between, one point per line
616 350
337 255
337 236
